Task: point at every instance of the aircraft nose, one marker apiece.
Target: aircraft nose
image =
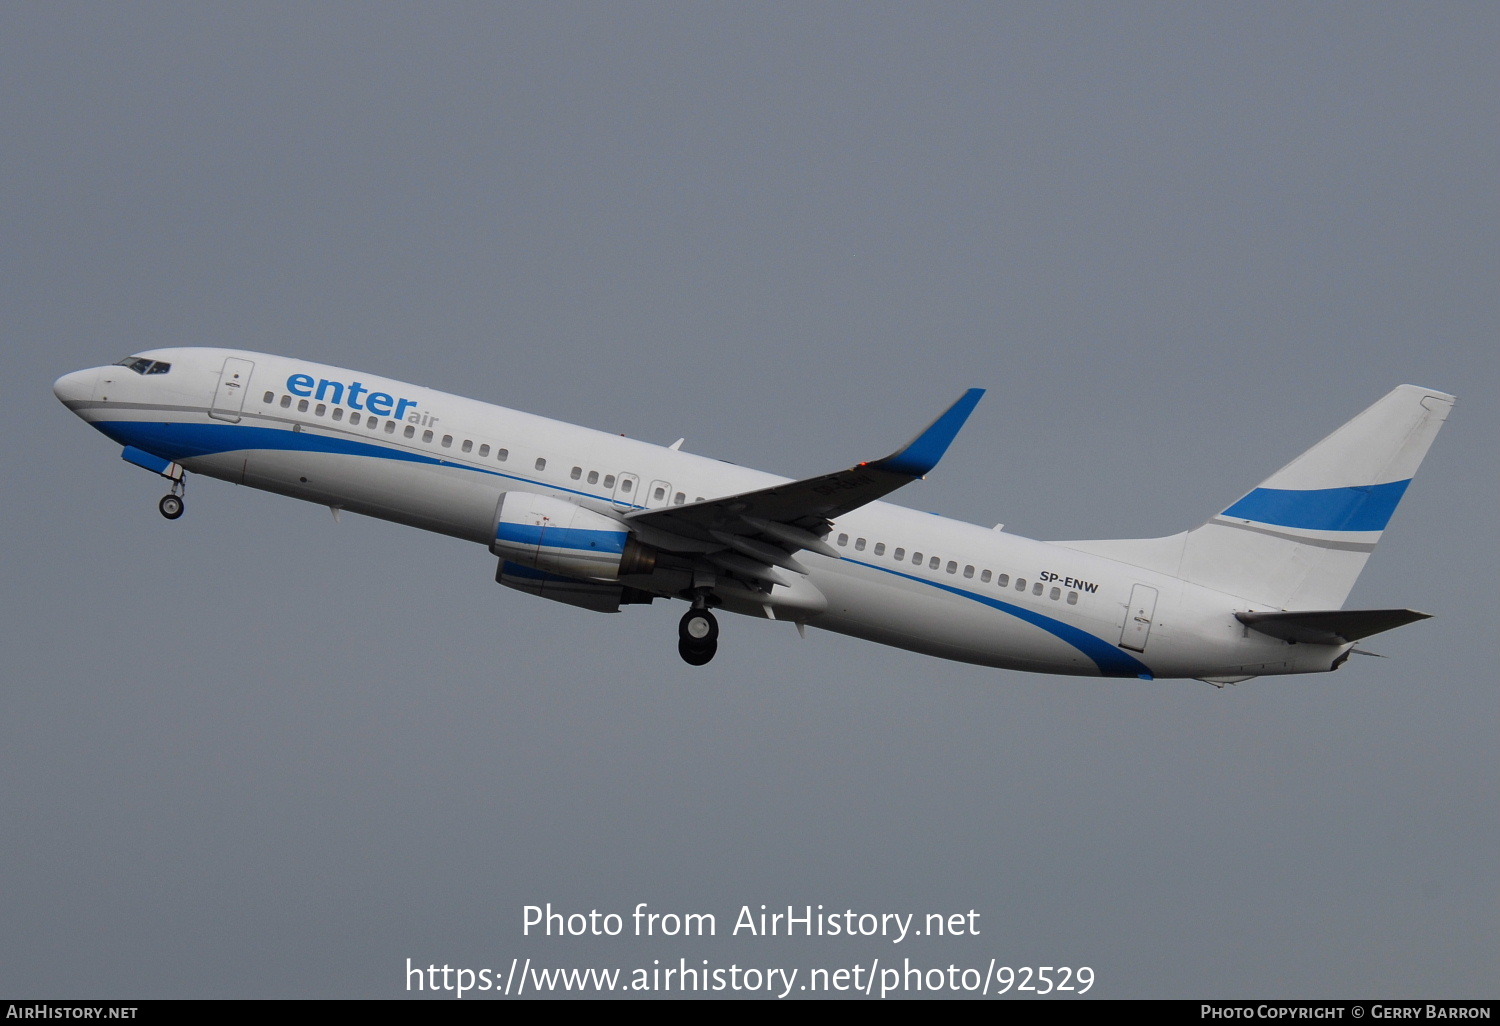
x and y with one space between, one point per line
74 388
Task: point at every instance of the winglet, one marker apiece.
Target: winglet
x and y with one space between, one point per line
923 452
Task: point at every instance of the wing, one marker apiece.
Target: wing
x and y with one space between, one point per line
761 529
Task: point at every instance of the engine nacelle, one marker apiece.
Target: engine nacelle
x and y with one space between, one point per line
602 598
559 538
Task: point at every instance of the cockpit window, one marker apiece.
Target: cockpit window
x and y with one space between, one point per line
141 365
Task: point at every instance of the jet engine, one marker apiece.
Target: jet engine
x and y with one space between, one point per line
602 598
560 538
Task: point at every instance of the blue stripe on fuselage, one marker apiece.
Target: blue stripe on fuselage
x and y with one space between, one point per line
177 441
180 441
1110 659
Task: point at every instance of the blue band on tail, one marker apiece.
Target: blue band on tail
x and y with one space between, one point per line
1362 508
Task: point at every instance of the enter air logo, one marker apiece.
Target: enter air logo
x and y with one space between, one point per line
382 404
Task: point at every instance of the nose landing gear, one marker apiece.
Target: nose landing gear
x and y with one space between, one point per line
697 635
171 505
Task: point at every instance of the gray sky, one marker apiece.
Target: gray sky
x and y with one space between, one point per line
256 754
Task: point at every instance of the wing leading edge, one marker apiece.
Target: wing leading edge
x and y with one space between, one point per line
766 525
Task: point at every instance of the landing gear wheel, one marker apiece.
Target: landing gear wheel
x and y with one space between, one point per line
697 637
695 656
698 628
170 506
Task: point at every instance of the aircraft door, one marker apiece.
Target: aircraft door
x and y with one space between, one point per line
626 487
1138 618
229 397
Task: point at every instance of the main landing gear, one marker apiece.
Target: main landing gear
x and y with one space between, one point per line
697 635
171 504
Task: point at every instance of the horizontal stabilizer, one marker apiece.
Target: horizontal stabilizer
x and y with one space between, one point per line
1329 627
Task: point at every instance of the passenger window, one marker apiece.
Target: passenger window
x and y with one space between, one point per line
576 473
372 423
270 397
899 555
354 418
541 463
593 477
338 413
934 563
447 441
658 495
679 499
390 427
880 548
484 450
468 445
302 406
843 540
1072 598
1056 594
1036 589
609 480
1020 584
984 576
952 567
1002 580
319 410
502 455
427 435
626 484
859 545
968 571
286 402
410 432
916 558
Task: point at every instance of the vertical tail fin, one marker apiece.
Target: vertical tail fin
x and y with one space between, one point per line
1301 538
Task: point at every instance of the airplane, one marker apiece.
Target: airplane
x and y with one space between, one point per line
601 521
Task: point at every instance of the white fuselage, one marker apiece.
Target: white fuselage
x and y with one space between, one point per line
441 462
